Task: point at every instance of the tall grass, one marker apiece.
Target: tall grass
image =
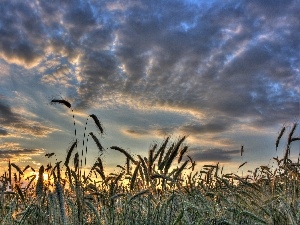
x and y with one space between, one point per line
161 188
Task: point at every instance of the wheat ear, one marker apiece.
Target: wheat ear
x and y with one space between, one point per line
124 152
96 140
70 153
40 182
61 101
97 122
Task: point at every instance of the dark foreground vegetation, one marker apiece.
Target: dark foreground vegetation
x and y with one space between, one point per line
162 188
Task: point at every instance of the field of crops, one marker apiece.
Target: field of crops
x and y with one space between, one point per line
160 188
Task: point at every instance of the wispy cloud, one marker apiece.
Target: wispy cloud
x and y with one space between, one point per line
213 155
10 150
14 124
7 154
3 132
216 126
151 131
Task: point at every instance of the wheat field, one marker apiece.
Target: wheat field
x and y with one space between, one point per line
162 188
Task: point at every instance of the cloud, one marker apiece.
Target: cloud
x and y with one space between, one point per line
235 66
10 150
3 132
60 75
138 132
20 43
231 59
216 126
15 125
213 155
6 115
8 154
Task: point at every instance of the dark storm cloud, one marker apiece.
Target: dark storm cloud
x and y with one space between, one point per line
235 59
213 155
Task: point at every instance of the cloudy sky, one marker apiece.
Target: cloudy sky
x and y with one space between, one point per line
224 73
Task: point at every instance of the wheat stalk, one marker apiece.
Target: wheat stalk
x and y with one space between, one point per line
40 182
173 155
61 101
17 168
124 152
144 168
99 146
279 137
60 198
161 150
182 153
139 194
242 164
97 122
70 153
134 176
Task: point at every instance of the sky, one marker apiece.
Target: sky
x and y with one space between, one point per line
225 74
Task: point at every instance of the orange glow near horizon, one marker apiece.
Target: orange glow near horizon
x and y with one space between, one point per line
45 175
